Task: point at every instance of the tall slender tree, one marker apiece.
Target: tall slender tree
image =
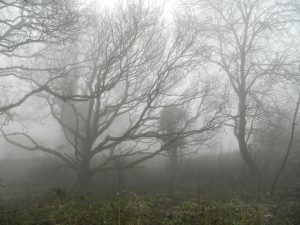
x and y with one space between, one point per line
241 36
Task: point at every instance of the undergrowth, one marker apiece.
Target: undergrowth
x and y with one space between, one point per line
147 210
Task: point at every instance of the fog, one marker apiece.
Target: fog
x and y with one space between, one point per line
149 112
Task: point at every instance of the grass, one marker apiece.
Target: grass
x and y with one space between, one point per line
146 210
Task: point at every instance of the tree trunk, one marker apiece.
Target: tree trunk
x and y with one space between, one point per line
84 174
241 136
173 154
121 181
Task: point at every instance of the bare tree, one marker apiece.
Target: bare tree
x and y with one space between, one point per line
27 28
241 35
172 119
129 77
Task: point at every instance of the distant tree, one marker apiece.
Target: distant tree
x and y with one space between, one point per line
172 119
294 79
267 143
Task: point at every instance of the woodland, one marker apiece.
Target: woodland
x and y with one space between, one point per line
139 115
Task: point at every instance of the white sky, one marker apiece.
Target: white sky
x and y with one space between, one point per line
169 5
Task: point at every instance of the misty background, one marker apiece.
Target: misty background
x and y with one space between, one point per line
150 96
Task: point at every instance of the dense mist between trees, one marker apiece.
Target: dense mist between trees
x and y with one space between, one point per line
144 97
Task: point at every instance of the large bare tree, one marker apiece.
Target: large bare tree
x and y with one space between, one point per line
130 69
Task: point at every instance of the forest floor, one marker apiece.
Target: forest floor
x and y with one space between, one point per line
62 208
